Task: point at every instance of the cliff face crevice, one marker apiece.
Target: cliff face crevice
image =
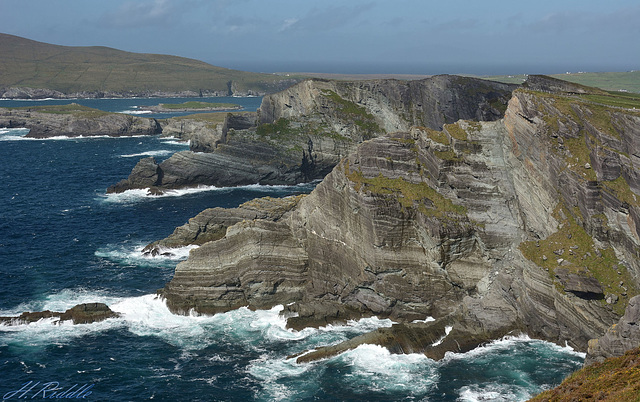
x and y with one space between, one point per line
301 133
520 224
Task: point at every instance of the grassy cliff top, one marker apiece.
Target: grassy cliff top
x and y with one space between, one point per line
615 379
27 63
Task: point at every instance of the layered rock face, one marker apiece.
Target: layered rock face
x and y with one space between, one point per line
301 133
522 224
74 120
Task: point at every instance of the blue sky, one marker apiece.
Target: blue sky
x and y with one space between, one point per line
400 36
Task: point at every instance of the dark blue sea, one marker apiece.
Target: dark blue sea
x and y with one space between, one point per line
63 241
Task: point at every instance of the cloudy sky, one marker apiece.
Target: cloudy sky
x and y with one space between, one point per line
384 36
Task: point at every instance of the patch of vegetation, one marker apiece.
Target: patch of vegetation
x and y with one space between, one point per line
572 244
195 105
448 155
440 137
616 99
620 188
213 117
456 131
616 379
72 108
355 113
427 200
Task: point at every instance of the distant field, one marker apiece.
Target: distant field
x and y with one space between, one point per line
199 105
610 81
27 63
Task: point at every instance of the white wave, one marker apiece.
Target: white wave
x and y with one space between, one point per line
373 367
160 152
135 111
133 255
19 134
176 141
428 319
138 195
447 331
493 392
13 134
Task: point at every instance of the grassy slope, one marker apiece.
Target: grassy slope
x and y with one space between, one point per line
616 379
27 63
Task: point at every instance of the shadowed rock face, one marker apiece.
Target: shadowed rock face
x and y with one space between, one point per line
489 227
300 134
81 314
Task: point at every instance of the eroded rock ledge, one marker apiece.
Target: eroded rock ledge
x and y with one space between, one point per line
523 224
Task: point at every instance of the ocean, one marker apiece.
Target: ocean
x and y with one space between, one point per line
63 241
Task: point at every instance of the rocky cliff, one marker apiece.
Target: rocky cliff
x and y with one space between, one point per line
527 223
301 133
74 120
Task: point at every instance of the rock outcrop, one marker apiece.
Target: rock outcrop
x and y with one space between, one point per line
74 120
622 336
81 314
301 133
522 224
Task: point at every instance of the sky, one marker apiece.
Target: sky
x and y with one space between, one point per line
356 36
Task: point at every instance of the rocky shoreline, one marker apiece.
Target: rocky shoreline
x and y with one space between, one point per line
527 223
161 109
74 120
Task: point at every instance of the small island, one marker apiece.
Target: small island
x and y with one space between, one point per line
192 106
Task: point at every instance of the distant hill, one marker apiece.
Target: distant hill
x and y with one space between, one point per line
26 63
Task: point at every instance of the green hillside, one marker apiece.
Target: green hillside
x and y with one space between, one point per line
611 81
27 63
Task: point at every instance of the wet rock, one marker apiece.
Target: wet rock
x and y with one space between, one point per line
80 314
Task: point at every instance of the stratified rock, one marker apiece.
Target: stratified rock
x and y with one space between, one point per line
452 224
619 338
300 134
211 224
81 314
74 120
585 286
145 174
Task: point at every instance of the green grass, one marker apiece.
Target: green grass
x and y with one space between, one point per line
616 99
410 195
356 114
456 131
199 105
583 256
27 63
614 380
610 81
72 108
